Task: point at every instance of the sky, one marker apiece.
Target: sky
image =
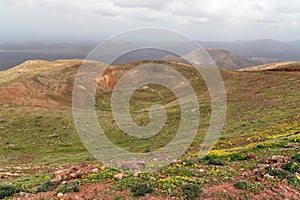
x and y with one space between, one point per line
95 20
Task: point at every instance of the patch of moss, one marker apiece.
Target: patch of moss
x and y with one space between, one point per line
278 173
6 191
253 187
68 187
46 186
141 189
192 191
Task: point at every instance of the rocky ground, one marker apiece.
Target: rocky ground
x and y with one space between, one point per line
272 177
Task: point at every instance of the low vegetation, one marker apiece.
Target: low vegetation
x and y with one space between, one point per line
263 121
46 186
192 191
6 191
253 187
68 187
141 189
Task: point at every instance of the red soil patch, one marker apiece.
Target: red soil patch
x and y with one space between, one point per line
279 191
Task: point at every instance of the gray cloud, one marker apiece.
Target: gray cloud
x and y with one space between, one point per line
260 15
263 11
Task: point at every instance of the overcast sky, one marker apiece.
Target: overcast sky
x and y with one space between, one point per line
94 20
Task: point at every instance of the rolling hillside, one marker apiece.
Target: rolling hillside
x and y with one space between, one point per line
38 134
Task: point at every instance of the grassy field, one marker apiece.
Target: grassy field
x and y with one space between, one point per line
263 116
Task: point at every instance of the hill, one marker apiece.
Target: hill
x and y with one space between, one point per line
38 83
266 48
277 66
261 134
228 60
223 59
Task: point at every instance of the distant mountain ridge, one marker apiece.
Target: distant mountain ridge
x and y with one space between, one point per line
222 58
266 50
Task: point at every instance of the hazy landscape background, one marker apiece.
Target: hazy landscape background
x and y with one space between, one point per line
267 50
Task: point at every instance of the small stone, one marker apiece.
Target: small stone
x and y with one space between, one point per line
95 170
268 176
78 198
73 175
161 177
60 195
24 194
58 172
119 176
245 174
104 167
201 170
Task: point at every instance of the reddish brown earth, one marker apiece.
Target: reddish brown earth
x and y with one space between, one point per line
280 191
103 191
50 88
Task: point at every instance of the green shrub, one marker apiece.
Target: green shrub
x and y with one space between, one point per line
297 140
208 157
212 160
296 158
68 187
280 144
179 170
46 186
238 156
294 180
278 173
215 162
292 167
261 146
6 191
242 185
253 187
141 189
192 191
127 182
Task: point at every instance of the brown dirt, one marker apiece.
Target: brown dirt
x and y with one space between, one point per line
51 88
98 191
94 191
280 191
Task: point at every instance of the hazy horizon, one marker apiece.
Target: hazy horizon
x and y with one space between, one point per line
95 41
